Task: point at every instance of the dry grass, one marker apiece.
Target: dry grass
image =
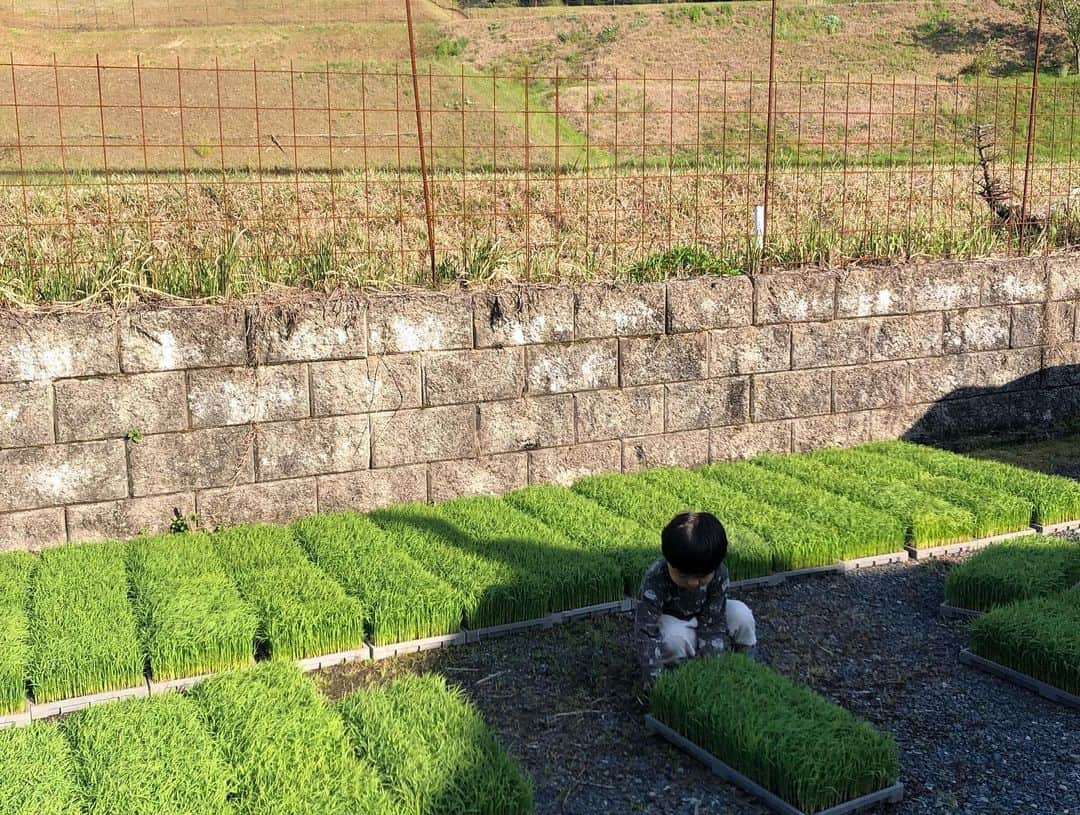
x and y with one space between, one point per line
177 184
368 230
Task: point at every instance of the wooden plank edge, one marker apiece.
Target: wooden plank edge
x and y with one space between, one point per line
1044 689
772 801
927 552
46 710
958 613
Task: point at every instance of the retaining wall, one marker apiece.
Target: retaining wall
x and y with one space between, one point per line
265 412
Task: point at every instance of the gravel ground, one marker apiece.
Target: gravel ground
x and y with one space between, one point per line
561 701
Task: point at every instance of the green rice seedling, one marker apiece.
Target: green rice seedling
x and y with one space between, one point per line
190 615
1011 571
433 751
82 630
1039 637
493 592
861 460
37 772
592 526
928 521
301 611
793 742
401 599
565 574
15 568
286 746
861 531
1055 499
793 543
653 508
147 757
996 512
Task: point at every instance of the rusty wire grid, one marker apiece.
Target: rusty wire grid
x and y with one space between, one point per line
212 180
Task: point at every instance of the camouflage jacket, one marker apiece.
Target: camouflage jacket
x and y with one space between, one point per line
660 595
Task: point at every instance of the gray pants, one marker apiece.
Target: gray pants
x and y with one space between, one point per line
679 640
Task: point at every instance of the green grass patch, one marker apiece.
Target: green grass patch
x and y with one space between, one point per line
1038 637
149 756
928 521
788 739
1055 499
860 531
491 590
682 261
15 569
82 629
433 751
593 527
190 615
1011 571
37 772
286 745
995 512
792 542
653 506
401 600
550 565
302 612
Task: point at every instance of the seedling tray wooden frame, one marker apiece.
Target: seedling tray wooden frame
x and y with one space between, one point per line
776 578
415 646
361 654
20 719
176 685
958 613
61 707
1044 689
774 802
925 553
1057 529
901 556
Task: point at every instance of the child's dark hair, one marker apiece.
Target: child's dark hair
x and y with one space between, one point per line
695 543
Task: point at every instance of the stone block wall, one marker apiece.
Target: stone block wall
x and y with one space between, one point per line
110 422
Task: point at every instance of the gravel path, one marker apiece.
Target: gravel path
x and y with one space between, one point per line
872 641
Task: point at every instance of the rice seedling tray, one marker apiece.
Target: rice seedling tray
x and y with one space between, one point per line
957 613
772 801
965 546
176 685
415 646
1057 529
1044 689
15 719
62 707
362 654
902 556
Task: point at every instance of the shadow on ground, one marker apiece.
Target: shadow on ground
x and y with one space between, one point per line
561 700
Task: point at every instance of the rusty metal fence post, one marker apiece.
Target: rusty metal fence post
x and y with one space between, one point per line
428 207
770 133
1032 109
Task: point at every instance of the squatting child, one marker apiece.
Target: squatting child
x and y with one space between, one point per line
683 610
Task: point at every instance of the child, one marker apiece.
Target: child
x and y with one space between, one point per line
682 609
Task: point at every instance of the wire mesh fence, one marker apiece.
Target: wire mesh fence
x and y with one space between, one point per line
209 180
